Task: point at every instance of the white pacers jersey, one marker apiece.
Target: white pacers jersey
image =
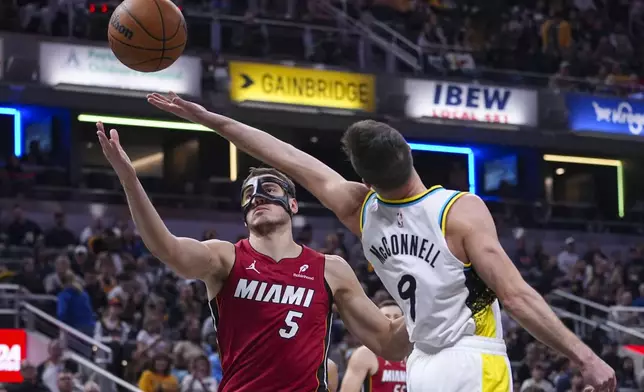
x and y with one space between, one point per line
442 298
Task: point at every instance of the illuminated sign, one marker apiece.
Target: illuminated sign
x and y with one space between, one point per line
254 82
470 102
604 114
81 65
13 350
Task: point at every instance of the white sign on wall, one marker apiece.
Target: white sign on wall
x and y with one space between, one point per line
95 66
470 102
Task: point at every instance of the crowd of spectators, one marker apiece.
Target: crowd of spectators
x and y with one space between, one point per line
579 44
161 333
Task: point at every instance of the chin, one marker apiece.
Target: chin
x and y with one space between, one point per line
264 225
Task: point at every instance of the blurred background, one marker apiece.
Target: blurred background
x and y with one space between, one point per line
535 106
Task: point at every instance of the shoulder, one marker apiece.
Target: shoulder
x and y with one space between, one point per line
469 211
364 358
336 266
339 275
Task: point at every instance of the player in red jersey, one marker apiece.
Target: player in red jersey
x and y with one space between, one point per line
270 297
368 372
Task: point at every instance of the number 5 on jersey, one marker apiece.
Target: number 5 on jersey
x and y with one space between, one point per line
291 327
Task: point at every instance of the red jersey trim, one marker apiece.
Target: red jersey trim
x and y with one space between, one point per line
322 375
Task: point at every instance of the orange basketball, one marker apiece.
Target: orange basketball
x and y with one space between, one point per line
147 35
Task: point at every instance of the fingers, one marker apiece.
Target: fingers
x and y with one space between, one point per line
114 136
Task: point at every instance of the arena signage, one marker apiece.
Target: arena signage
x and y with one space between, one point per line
278 84
13 350
470 102
80 65
605 115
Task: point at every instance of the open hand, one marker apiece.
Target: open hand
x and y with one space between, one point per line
114 152
176 105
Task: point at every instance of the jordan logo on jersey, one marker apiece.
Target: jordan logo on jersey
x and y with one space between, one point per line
275 293
252 267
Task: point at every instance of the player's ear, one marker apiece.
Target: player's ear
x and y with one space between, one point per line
293 204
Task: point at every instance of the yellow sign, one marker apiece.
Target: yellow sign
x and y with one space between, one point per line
301 86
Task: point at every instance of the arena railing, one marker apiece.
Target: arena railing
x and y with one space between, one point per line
608 315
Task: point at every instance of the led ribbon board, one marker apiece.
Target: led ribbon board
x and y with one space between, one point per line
140 122
617 164
18 133
471 167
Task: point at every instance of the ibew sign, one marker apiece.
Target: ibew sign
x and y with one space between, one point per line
470 102
604 114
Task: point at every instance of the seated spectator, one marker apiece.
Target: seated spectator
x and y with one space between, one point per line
212 350
186 350
158 378
54 281
55 364
538 380
200 378
66 382
22 231
567 257
59 236
74 305
31 382
94 288
626 374
81 258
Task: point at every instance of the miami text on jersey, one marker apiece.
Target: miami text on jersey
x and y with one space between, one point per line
275 293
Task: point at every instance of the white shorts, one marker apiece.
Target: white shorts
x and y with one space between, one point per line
474 364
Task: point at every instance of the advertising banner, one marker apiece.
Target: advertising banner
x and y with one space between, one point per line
280 84
13 350
605 114
470 102
94 66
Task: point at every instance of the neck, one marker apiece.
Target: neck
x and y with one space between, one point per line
278 244
412 188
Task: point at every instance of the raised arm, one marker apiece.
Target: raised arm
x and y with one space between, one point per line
471 222
386 338
342 197
187 257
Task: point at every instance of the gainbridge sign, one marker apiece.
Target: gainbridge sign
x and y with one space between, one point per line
254 82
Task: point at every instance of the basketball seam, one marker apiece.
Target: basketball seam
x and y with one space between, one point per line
163 30
141 24
148 61
112 36
177 30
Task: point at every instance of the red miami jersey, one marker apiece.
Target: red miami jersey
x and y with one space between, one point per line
273 322
390 377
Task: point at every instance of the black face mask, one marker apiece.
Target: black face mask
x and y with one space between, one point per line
262 186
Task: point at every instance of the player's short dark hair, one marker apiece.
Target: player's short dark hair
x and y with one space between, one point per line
388 302
379 154
260 171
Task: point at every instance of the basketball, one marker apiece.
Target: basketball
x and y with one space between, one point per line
147 35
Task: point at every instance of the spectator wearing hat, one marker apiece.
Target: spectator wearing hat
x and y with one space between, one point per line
567 258
31 382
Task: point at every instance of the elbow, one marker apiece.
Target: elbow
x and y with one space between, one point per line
396 352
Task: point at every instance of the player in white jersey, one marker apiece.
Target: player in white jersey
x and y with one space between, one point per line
435 250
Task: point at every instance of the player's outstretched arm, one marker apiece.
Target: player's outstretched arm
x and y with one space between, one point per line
187 257
362 364
384 337
342 197
470 221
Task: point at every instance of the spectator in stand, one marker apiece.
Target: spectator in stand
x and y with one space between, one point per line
22 231
114 332
577 383
59 236
54 281
567 257
55 364
95 229
639 300
31 381
29 277
80 259
200 378
185 351
94 288
158 378
538 380
91 386
74 305
626 374
185 307
65 382
305 237
212 349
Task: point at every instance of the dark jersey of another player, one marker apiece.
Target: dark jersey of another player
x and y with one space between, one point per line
390 377
273 323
